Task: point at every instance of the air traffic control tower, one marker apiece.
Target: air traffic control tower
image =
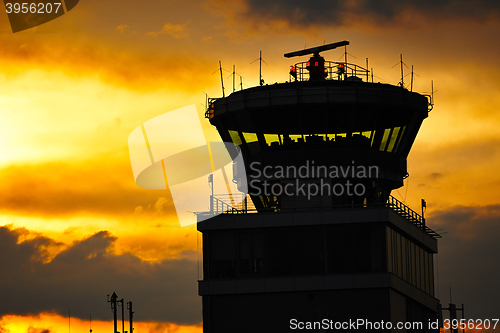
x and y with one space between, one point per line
324 241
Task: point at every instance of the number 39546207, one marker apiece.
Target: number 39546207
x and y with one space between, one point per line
33 8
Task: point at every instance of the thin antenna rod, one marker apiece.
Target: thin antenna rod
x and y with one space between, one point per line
372 74
241 82
261 80
401 58
260 68
432 91
130 316
234 72
345 61
123 317
90 330
367 73
411 84
221 79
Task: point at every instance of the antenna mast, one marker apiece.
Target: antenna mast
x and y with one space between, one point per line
367 73
432 91
234 73
123 316
401 60
411 84
261 81
221 79
113 302
130 316
345 56
260 68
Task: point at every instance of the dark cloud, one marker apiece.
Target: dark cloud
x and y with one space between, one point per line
302 13
468 258
79 278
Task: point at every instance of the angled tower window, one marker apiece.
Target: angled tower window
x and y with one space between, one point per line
271 139
392 141
250 137
235 137
385 138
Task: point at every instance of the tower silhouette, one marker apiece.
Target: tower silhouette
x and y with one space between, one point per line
326 242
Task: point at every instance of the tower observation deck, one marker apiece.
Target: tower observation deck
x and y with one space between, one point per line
322 154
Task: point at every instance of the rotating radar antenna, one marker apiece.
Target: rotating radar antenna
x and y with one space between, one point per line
316 50
316 64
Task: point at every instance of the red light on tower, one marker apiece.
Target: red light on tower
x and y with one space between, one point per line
293 72
341 69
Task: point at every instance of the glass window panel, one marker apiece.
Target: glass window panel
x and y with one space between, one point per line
392 141
367 134
389 249
250 137
258 253
244 245
222 254
413 265
384 139
422 269
296 137
398 253
402 132
394 253
314 138
235 137
280 252
362 249
377 249
404 255
308 249
339 247
270 138
426 267
431 272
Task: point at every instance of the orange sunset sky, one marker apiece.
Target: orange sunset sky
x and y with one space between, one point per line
75 227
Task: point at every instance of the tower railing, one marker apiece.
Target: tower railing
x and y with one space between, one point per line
334 71
228 204
238 204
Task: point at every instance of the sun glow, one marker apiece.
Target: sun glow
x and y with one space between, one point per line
47 322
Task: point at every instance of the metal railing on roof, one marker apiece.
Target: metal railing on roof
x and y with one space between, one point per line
239 204
334 71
